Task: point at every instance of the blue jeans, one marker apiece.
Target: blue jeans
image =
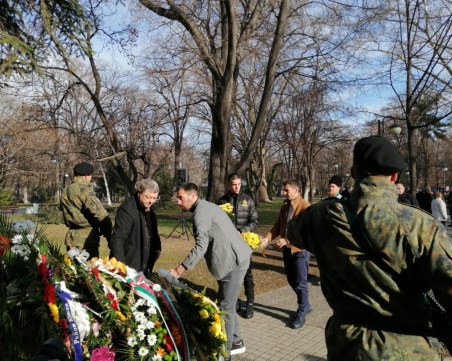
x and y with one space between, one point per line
228 294
297 268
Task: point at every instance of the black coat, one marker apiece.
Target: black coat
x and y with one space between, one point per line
245 213
130 242
408 198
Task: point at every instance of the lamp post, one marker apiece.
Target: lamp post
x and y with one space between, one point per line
394 129
445 169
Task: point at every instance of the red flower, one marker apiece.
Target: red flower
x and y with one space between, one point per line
114 302
169 343
95 272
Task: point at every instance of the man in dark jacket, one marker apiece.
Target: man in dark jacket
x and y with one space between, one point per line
245 219
406 197
135 240
425 198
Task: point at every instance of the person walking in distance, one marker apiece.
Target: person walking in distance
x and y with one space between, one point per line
245 219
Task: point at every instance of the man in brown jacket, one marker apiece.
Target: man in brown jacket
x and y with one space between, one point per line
296 260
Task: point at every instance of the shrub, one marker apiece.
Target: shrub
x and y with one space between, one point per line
6 196
50 214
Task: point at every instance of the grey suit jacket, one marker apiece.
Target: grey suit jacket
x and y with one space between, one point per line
217 240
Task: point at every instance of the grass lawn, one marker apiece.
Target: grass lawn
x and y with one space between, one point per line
268 271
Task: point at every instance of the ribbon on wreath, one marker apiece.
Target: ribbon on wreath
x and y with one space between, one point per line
64 295
142 287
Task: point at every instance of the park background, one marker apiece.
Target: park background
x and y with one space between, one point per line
195 90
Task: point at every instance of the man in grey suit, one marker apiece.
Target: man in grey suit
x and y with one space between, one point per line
226 253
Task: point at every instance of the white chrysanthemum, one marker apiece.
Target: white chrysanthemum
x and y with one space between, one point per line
21 250
141 328
152 310
149 325
138 315
143 351
152 340
141 335
81 318
17 239
137 304
132 341
157 287
157 358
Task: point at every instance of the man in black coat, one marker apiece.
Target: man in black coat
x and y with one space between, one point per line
425 198
245 219
406 197
135 240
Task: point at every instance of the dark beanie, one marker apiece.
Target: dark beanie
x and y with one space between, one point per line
83 169
378 156
335 179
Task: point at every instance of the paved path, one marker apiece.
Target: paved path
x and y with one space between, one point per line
268 335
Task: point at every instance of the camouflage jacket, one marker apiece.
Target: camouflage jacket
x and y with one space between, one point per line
80 206
376 258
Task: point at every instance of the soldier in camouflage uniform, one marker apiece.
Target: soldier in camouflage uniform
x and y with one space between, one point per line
83 212
377 258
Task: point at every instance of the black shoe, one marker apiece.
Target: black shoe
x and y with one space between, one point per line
249 311
240 306
298 322
238 347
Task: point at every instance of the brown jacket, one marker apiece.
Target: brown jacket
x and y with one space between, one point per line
279 228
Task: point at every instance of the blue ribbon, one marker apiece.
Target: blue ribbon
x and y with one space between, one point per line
75 336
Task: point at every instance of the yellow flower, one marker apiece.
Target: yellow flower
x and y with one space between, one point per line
216 317
204 314
215 329
252 239
67 260
121 316
54 311
227 207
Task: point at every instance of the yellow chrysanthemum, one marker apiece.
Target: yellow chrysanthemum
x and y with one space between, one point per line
227 207
216 317
54 312
252 239
215 329
121 315
196 295
204 314
67 260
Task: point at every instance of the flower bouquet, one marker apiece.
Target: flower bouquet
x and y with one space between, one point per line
100 308
228 208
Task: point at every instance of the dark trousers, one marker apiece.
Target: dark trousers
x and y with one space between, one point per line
248 283
297 268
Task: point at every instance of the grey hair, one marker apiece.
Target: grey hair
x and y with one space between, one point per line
147 185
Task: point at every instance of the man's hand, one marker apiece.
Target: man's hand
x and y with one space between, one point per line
177 272
281 243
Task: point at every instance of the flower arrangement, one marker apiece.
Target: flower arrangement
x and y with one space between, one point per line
253 239
100 308
228 208
204 319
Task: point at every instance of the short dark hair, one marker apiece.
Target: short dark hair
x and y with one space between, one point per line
188 187
234 176
292 183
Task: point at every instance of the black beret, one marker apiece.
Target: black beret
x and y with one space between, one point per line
83 169
335 179
377 155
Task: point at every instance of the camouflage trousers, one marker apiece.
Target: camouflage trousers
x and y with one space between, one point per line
84 238
348 342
